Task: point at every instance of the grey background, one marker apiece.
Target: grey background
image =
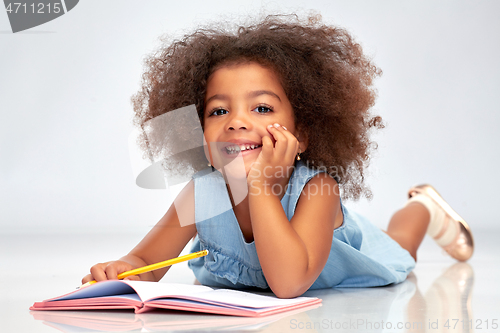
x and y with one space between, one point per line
65 90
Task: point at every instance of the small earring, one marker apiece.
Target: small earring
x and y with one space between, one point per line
298 155
209 164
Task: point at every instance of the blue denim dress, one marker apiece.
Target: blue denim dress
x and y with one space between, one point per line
361 254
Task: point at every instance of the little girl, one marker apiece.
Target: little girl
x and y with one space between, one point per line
292 100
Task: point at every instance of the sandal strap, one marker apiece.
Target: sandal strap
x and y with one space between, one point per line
443 228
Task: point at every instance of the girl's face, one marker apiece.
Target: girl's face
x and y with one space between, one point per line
241 101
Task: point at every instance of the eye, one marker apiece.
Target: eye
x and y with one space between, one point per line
218 112
263 109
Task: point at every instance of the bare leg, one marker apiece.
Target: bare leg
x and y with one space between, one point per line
408 226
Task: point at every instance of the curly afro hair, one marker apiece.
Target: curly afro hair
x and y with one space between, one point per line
323 71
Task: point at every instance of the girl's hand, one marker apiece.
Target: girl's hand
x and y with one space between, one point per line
274 164
109 271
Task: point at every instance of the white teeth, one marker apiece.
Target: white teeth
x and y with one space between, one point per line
236 149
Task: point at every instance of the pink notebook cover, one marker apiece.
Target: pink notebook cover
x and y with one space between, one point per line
119 321
145 296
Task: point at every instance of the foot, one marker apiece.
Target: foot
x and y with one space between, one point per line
447 228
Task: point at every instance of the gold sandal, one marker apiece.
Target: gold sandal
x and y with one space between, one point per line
462 247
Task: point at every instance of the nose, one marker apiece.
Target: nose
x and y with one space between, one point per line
238 121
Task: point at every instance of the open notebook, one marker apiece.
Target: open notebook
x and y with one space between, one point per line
154 321
143 296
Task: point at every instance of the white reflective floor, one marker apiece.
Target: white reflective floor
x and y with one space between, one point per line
439 296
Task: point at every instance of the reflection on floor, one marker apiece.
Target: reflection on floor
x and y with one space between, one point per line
441 295
403 308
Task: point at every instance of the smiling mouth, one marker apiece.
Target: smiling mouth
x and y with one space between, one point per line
236 149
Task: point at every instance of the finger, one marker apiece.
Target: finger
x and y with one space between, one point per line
97 272
288 133
287 147
133 278
87 278
281 140
111 272
267 147
292 146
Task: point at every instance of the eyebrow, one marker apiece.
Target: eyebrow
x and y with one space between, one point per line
250 94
